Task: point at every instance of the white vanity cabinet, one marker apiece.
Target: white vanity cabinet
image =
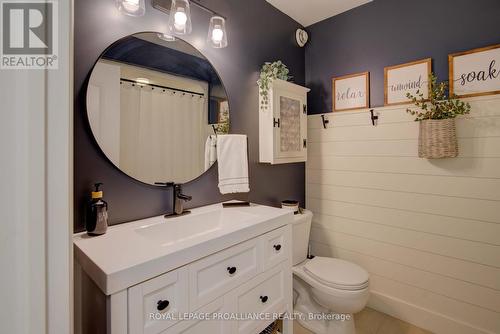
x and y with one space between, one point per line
248 278
135 280
283 124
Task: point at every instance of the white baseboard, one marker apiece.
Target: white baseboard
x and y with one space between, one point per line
421 317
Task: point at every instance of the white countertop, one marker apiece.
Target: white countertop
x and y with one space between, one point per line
133 252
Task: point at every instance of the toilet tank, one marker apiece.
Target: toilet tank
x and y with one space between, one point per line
301 227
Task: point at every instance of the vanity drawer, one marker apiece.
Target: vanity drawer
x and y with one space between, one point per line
216 274
276 246
201 326
152 304
266 294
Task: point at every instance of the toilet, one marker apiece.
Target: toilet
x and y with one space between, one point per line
327 291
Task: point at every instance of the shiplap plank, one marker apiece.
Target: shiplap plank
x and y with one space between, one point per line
421 317
423 184
483 210
446 226
468 147
449 287
475 273
480 108
476 316
468 167
466 128
460 249
340 119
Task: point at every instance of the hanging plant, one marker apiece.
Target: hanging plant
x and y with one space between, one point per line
269 72
438 105
437 131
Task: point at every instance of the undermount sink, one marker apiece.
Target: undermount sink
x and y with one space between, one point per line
174 230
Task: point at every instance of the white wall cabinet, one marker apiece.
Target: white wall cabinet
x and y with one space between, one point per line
283 124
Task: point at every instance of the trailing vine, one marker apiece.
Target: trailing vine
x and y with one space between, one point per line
269 72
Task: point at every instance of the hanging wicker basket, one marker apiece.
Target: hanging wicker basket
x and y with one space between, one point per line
437 139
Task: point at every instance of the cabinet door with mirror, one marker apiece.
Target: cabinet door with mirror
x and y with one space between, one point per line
155 106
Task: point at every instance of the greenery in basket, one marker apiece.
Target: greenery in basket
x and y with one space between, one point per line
269 72
438 105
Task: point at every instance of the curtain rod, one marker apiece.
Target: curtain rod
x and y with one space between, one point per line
162 87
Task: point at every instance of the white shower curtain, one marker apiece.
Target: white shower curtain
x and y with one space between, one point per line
163 134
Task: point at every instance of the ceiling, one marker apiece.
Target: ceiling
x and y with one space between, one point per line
308 12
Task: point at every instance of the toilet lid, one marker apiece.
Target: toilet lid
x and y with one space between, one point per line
337 273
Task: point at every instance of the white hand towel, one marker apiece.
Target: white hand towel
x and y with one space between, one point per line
210 151
233 163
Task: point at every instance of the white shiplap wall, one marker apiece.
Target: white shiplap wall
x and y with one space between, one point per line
428 231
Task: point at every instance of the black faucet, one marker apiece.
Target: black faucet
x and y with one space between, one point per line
178 199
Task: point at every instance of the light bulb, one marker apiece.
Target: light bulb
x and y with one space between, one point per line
217 34
180 19
131 5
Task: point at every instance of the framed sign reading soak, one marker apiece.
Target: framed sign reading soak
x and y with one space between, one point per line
351 91
475 72
406 78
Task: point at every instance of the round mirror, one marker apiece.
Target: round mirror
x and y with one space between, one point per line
155 105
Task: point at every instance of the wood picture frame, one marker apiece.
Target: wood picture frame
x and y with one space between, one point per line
406 78
481 65
357 84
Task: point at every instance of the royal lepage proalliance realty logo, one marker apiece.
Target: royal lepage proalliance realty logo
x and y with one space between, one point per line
29 34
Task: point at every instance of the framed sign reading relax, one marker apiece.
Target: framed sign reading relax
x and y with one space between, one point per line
351 92
406 78
475 72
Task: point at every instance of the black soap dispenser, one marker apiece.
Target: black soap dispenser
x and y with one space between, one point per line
97 213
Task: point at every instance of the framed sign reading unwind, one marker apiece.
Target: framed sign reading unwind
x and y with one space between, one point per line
475 72
351 92
406 78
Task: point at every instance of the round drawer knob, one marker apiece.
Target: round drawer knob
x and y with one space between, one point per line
162 304
264 299
231 270
277 247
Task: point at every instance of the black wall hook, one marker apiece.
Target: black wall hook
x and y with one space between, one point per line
373 117
325 121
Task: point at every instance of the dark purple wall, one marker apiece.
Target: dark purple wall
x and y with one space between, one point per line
257 33
390 32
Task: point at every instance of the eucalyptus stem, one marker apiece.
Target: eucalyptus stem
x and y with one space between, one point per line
437 105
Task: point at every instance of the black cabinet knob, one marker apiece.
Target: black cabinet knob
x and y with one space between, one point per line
277 247
231 270
162 304
264 299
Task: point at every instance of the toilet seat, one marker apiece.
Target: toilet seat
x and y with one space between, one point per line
337 273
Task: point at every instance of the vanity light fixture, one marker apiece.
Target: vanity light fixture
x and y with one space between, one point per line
217 36
131 7
179 21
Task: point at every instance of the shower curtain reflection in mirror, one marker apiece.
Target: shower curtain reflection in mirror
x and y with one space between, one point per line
162 133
